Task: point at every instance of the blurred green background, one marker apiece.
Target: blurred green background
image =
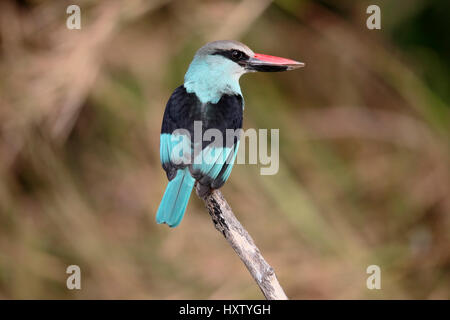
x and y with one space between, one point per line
364 145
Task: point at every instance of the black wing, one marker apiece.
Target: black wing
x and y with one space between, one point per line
181 111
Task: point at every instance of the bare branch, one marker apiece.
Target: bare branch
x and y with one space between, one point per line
225 221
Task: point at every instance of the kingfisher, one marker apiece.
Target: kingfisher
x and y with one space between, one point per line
210 99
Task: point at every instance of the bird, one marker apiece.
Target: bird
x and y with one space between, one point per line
210 96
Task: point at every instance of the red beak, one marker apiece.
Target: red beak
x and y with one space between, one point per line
266 63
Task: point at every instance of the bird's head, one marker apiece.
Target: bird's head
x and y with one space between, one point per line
218 65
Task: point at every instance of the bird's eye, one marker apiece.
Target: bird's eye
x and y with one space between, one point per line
236 54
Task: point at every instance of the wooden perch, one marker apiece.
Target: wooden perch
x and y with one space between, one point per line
225 221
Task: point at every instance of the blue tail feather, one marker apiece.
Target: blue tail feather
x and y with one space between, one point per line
175 200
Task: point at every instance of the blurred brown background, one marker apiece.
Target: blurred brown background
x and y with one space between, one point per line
364 146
